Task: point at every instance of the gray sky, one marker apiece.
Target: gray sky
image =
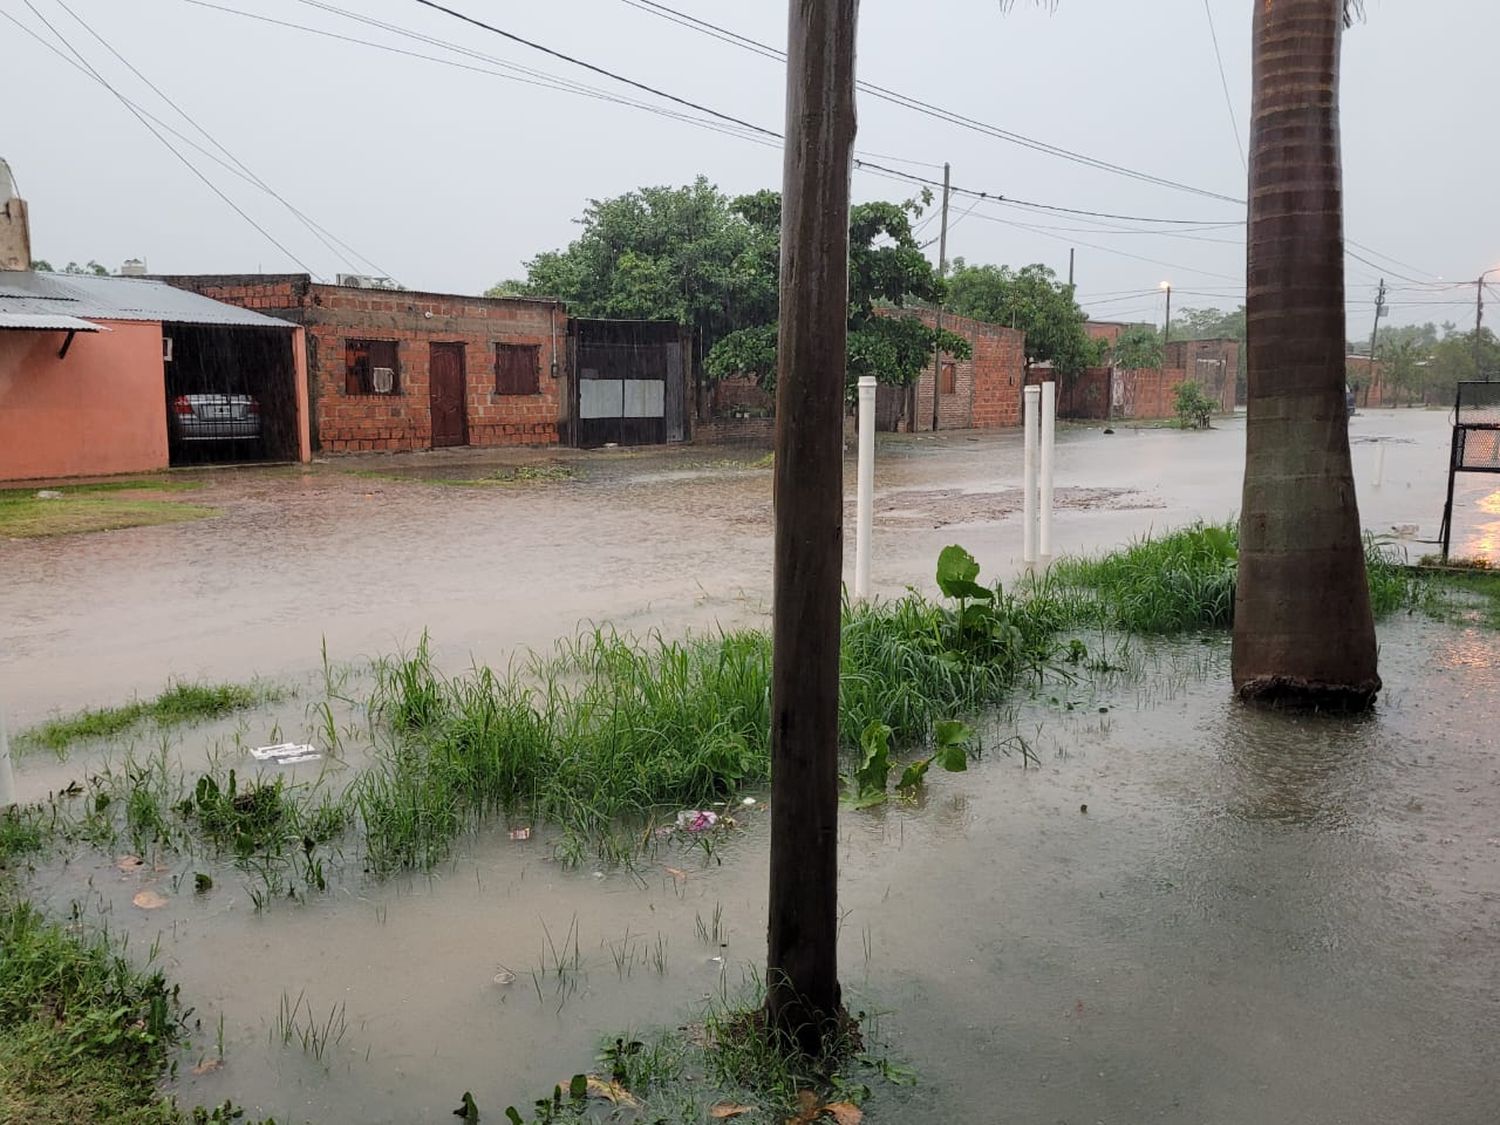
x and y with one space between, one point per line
450 179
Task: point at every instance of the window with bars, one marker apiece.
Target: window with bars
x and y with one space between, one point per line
371 367
518 369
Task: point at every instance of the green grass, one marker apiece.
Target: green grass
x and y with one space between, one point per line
180 704
95 507
508 475
1185 580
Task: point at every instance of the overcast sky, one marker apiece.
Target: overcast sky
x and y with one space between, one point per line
449 179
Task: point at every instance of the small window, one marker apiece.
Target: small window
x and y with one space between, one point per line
949 384
518 369
371 367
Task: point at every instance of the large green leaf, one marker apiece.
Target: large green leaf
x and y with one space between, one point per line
956 572
913 774
952 738
875 765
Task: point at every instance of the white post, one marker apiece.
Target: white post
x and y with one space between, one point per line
1044 497
1028 479
1379 463
864 519
7 778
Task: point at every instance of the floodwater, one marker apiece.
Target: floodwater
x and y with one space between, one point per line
1259 917
668 539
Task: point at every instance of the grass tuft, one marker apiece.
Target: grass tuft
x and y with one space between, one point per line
180 704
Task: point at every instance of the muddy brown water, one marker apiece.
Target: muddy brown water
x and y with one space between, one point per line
669 538
1260 917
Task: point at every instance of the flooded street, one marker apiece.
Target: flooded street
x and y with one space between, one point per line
670 539
1258 918
1182 911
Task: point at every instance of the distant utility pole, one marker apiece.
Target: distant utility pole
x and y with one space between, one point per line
1479 320
802 987
1375 331
1071 252
937 349
1166 326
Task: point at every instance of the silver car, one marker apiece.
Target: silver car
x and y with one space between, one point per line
215 417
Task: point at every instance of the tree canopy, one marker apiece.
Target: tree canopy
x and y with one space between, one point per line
1139 346
692 255
1209 324
1030 299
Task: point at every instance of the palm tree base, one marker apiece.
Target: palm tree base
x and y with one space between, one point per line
1292 693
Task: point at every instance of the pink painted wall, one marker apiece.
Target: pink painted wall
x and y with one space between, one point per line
99 410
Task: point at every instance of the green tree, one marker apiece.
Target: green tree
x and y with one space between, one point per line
1138 347
1453 362
93 268
1209 324
41 265
886 270
662 253
1032 300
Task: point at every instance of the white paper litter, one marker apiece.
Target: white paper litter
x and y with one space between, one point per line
286 753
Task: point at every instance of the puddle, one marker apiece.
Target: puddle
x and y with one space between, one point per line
1260 917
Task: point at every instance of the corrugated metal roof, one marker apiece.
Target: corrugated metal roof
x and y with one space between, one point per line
11 317
119 298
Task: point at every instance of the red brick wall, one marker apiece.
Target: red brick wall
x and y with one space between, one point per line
1219 369
987 385
1149 393
1083 397
404 420
333 314
741 391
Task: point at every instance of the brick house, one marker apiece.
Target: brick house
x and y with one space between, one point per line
1214 364
396 369
982 392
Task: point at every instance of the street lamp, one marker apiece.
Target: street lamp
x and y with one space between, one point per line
1166 328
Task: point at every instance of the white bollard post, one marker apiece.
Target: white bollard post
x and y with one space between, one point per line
1044 489
1379 463
1028 478
864 490
7 777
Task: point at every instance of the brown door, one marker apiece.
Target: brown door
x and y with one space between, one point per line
450 424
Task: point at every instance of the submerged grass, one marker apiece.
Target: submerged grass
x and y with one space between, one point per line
180 704
613 729
30 513
1185 581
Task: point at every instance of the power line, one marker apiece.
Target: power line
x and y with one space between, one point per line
513 37
918 105
1224 81
317 231
170 147
544 81
738 127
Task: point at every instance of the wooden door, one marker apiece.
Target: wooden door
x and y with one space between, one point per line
450 423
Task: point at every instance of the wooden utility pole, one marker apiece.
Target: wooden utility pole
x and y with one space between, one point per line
802 989
937 349
1374 335
1478 320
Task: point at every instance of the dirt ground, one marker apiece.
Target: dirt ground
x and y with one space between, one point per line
367 552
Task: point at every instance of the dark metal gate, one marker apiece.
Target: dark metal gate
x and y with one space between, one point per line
630 383
1476 442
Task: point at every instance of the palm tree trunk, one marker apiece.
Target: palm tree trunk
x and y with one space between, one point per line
1303 630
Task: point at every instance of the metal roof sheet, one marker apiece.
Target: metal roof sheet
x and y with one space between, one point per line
119 298
43 321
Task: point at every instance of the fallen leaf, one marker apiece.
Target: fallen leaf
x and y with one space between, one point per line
149 900
808 1108
520 833
845 1113
130 863
728 1109
676 873
208 1065
611 1092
